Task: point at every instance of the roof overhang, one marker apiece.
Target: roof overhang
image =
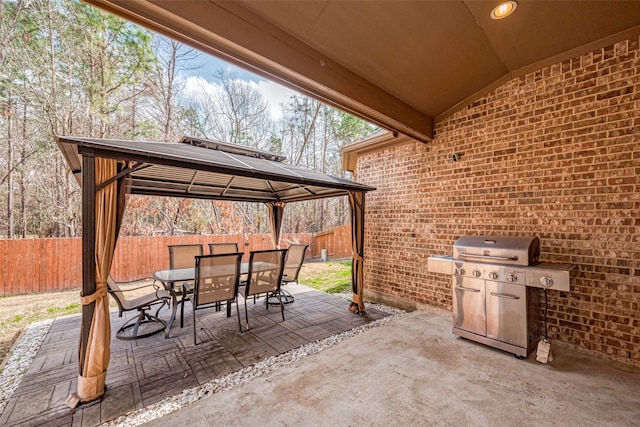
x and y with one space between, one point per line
377 141
230 31
190 170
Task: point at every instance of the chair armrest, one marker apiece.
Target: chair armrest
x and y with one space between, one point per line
154 285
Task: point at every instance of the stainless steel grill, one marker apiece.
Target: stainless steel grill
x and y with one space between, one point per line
494 281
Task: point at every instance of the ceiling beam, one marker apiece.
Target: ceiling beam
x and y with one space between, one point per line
230 31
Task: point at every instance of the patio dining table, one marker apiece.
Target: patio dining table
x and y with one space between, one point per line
170 277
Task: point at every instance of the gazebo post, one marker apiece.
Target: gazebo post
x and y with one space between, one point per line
276 213
356 204
88 250
88 186
102 210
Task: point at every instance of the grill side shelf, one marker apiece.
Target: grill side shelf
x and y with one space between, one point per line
440 264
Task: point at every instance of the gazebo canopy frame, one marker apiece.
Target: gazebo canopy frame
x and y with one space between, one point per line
107 170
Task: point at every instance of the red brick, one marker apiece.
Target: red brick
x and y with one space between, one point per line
554 153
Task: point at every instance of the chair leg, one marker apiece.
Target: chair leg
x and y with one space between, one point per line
281 305
238 313
195 340
141 317
182 308
246 313
134 323
287 298
164 302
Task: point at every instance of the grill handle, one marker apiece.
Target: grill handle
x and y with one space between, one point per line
462 288
501 258
496 294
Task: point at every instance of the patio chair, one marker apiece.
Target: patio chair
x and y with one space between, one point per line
223 248
183 256
292 266
142 304
264 276
217 281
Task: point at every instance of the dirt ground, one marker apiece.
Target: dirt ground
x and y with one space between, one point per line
18 311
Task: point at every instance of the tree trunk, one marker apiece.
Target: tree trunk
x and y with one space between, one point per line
23 173
10 213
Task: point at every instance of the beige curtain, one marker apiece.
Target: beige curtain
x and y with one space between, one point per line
356 203
276 213
109 209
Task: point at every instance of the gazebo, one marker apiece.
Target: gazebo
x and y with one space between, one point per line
108 170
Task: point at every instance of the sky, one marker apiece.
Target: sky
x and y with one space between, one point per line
273 93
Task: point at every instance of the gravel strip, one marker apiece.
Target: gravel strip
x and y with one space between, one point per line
19 361
228 381
31 339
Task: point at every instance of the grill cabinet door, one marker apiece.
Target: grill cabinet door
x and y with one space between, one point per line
469 305
507 313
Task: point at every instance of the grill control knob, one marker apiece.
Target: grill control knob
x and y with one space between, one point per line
493 275
459 271
546 281
512 277
477 273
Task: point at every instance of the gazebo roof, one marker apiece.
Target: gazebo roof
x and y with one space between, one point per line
207 169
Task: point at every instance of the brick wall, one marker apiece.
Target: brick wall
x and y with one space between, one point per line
555 154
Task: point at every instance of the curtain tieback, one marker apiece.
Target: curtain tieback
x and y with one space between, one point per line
358 257
99 293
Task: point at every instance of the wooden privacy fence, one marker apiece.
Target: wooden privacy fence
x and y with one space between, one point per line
39 265
337 242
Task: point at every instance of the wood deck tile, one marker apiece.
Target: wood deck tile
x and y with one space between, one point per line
337 325
118 401
154 390
313 333
148 370
91 414
202 372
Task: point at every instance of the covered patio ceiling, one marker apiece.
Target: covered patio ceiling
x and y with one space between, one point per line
399 64
206 169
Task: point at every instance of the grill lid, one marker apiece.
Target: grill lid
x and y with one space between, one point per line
498 249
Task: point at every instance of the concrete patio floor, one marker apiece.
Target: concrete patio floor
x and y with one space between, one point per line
414 372
145 371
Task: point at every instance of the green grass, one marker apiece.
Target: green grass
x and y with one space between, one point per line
330 277
72 308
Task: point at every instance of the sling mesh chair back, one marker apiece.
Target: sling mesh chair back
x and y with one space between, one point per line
183 256
217 280
144 324
292 265
264 276
223 248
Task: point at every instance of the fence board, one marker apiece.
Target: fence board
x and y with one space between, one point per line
337 242
37 285
39 265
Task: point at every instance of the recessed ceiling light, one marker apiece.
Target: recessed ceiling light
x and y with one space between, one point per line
504 9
